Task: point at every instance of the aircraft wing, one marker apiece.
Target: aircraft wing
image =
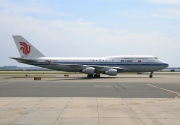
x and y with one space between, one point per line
94 66
73 65
106 67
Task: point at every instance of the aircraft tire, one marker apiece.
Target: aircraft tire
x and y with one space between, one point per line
150 76
97 76
90 76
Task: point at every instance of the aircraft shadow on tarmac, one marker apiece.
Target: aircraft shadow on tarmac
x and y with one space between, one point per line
82 78
85 78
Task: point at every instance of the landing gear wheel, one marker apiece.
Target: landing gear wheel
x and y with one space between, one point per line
97 76
90 76
151 75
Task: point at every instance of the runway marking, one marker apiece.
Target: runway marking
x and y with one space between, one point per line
3 83
178 94
120 85
115 88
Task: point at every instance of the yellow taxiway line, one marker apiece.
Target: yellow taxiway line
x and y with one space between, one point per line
178 94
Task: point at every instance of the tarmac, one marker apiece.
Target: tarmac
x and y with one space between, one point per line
128 99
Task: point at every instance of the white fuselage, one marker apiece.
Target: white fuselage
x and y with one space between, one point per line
125 63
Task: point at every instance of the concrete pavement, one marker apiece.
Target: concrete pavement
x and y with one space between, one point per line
89 111
124 100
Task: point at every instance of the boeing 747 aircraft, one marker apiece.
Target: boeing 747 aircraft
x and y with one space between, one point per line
92 66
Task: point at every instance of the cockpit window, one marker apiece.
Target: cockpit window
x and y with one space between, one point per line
155 58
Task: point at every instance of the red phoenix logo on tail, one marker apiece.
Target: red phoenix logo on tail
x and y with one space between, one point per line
25 48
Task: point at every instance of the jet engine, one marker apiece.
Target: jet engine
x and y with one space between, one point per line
89 70
111 72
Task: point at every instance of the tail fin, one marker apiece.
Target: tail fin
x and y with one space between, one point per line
25 48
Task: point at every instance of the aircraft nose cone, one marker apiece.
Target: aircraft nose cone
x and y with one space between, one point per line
166 65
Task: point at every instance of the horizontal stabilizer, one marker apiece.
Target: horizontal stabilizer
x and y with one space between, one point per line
23 60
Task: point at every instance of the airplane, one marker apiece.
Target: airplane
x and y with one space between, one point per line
92 66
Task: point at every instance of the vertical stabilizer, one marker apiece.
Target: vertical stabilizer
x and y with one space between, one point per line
25 48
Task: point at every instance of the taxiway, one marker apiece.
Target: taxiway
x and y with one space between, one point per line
58 100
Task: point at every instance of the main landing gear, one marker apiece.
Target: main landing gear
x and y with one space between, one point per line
96 75
93 76
151 75
90 76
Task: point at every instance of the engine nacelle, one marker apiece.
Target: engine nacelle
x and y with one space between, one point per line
111 72
89 70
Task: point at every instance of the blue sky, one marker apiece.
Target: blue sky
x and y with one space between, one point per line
92 28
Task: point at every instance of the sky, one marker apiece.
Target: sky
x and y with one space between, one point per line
92 28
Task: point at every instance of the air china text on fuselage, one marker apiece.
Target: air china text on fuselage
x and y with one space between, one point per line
92 66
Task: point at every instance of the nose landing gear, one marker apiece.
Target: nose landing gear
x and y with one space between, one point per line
151 75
